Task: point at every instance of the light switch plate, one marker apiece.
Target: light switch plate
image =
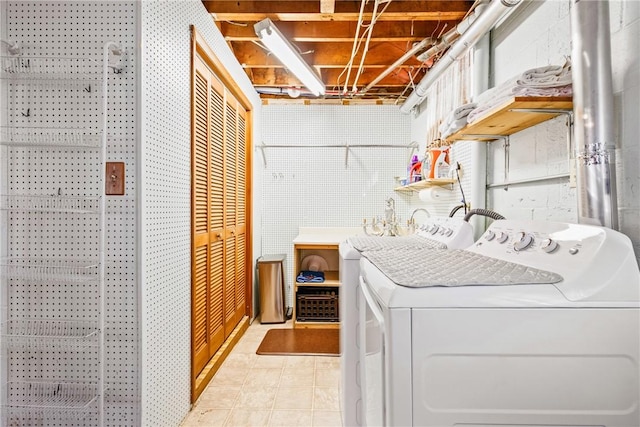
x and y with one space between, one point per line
114 179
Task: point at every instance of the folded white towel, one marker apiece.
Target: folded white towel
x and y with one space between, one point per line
462 111
453 127
454 117
546 76
566 90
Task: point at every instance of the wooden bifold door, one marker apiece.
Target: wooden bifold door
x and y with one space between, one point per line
219 214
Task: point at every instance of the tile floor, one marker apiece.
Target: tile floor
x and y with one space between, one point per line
252 390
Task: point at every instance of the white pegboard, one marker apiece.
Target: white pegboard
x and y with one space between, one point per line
166 233
77 30
312 187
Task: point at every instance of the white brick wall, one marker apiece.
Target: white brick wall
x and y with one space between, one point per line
536 34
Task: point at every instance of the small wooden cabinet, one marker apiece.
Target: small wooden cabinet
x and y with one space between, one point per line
317 304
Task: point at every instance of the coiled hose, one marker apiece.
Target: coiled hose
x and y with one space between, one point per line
483 212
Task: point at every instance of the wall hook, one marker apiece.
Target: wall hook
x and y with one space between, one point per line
88 89
27 114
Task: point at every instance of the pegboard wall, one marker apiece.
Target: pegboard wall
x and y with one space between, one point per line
312 187
76 30
166 232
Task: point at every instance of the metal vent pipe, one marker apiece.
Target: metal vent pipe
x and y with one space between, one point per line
593 113
483 23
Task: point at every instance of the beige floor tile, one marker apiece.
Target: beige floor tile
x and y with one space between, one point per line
327 362
240 417
269 362
300 362
256 397
218 397
327 419
240 360
285 418
326 398
327 378
229 376
250 345
206 417
297 376
253 390
260 376
294 398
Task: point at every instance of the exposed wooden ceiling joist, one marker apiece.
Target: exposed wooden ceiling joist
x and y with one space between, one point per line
323 31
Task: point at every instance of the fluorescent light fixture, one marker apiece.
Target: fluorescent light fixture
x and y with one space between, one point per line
286 53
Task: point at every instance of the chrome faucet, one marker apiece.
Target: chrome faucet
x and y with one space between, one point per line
411 220
411 223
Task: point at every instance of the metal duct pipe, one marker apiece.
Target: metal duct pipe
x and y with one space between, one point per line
593 113
415 49
483 23
445 41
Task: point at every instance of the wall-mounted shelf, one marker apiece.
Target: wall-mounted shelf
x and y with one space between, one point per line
425 183
515 114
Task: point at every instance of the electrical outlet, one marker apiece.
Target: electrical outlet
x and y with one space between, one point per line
114 179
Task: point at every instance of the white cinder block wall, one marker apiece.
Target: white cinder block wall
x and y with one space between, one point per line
536 34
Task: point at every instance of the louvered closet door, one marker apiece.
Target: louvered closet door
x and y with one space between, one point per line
233 300
207 224
241 214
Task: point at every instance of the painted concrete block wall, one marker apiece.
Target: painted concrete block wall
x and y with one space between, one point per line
538 34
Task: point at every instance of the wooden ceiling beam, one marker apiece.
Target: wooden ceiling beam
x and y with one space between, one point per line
340 31
313 8
334 79
323 55
387 16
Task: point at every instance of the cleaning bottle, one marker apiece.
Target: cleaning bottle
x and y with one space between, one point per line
434 154
411 168
442 164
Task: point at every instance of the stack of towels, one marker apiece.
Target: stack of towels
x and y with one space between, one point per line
456 120
550 80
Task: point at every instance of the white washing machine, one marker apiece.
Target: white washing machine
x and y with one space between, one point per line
434 233
537 324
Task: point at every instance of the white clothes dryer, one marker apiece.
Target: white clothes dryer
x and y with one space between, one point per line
536 324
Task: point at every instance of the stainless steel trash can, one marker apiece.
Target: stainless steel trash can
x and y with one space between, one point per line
271 283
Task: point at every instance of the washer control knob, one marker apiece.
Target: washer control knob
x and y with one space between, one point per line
435 229
574 250
523 241
490 236
549 246
449 232
502 237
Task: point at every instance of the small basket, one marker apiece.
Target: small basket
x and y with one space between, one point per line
317 305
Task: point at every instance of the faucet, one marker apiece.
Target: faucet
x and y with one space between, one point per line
411 220
411 223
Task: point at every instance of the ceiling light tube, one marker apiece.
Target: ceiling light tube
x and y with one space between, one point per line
286 53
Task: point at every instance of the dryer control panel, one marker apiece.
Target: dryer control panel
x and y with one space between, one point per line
588 257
